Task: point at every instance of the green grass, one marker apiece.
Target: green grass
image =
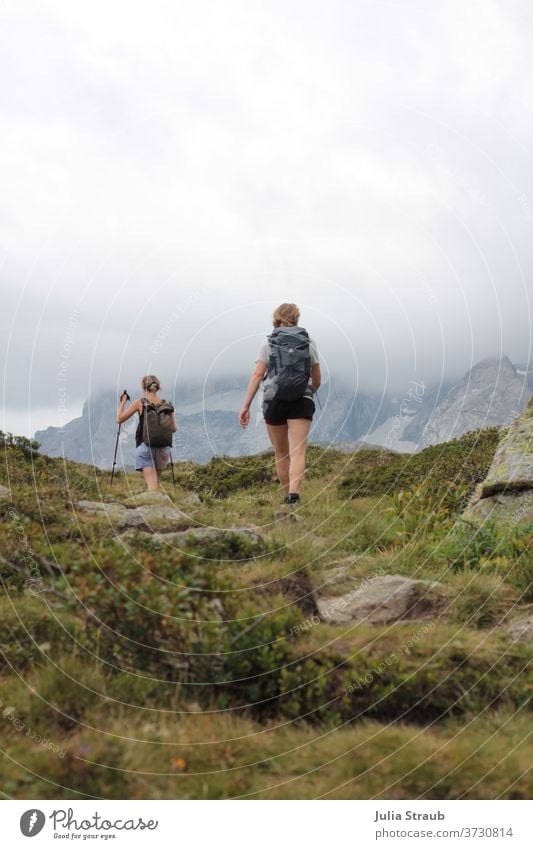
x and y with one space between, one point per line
203 672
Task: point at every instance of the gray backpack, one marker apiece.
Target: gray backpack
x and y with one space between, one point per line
289 364
157 424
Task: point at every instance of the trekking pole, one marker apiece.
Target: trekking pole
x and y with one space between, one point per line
318 399
172 467
116 443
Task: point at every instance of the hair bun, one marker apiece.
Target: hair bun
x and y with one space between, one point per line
150 383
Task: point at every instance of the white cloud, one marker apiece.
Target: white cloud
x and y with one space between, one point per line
367 159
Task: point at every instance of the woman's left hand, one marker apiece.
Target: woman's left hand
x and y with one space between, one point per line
244 417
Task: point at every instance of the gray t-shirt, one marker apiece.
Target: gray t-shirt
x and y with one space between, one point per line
263 356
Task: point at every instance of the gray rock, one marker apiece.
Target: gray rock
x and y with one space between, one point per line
192 499
509 508
157 516
110 510
512 466
506 494
383 599
521 627
4 493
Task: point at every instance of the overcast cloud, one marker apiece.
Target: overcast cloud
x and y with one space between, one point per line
171 171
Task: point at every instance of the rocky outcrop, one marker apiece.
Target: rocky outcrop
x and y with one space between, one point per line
384 599
492 392
152 518
4 493
506 494
158 516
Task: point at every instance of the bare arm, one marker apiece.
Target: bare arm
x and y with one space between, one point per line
254 384
123 414
174 425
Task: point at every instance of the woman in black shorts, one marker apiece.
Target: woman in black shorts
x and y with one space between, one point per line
288 422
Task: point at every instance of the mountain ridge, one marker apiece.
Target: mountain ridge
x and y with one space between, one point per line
492 392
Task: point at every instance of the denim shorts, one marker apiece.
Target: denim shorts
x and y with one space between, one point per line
146 457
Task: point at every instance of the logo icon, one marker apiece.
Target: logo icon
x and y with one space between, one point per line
32 822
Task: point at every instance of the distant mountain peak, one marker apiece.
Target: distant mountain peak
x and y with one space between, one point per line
492 392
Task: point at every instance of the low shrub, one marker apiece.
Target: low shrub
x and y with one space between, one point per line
462 461
445 673
223 475
150 612
30 629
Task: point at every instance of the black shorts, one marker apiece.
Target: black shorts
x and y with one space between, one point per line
276 412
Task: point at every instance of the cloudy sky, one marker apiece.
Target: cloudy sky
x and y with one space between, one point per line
171 171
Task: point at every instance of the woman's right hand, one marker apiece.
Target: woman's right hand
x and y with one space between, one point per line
244 417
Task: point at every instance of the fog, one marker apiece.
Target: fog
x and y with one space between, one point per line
169 178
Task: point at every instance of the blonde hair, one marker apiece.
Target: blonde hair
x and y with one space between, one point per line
150 383
286 315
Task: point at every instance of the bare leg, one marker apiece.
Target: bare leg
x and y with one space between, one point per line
160 463
151 477
279 437
298 434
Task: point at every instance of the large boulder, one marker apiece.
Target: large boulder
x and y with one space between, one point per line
383 599
506 494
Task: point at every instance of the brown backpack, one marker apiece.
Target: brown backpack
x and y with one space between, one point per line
157 424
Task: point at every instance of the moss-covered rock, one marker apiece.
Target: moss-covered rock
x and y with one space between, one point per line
210 543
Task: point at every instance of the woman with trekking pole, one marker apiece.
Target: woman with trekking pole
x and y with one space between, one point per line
153 437
288 364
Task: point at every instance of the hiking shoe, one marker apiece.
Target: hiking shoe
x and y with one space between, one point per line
293 498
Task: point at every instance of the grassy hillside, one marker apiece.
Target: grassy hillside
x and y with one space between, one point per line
142 665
